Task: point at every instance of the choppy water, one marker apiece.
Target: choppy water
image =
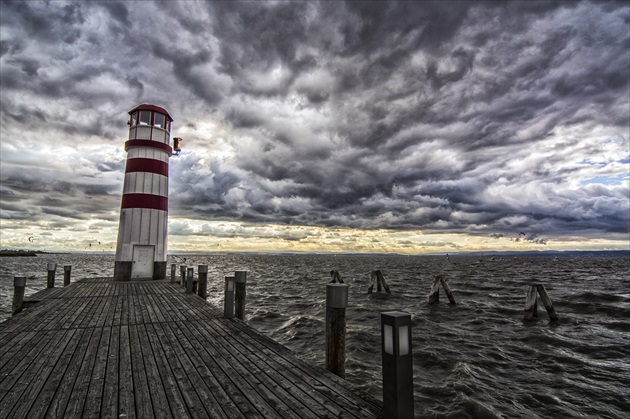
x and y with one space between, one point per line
475 359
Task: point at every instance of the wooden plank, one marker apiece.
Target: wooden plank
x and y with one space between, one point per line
232 373
293 395
14 343
91 312
285 404
109 405
135 315
173 353
124 315
59 403
60 371
79 389
119 309
38 374
245 375
142 394
126 395
159 399
18 370
187 358
169 383
97 318
150 308
92 406
302 399
332 388
216 380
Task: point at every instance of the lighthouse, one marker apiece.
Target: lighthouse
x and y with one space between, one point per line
142 230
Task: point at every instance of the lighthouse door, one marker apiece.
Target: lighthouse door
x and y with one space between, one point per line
142 266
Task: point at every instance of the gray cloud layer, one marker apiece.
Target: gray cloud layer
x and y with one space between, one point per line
483 117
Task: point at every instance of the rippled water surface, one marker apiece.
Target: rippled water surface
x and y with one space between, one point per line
477 358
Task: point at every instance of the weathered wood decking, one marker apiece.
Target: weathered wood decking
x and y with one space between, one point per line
99 348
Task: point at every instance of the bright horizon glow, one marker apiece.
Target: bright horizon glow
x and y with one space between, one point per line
222 236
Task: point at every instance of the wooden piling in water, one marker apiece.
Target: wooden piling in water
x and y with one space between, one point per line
531 309
531 305
228 301
546 301
240 292
202 284
19 284
173 272
52 268
447 289
67 271
190 277
182 274
378 279
434 293
336 303
335 277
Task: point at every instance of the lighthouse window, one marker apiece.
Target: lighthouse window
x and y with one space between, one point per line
158 120
168 126
134 118
145 117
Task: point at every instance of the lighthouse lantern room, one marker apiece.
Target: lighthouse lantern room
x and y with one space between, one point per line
142 232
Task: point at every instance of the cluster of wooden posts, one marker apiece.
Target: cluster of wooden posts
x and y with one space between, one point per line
235 288
397 368
531 304
19 285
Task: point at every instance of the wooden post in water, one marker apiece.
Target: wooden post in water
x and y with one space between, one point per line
173 272
182 274
67 271
52 269
190 277
336 303
531 305
531 308
240 279
397 365
447 289
434 294
202 285
378 279
546 301
19 284
336 277
228 302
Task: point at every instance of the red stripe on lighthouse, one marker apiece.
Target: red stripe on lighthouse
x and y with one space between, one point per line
147 165
143 200
148 143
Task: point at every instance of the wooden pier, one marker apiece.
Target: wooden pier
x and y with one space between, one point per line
99 348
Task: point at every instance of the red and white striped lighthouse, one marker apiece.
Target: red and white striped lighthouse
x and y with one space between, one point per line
142 231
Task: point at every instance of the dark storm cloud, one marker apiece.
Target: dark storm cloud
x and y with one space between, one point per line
118 10
441 116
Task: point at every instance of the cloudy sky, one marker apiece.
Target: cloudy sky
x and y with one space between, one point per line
403 127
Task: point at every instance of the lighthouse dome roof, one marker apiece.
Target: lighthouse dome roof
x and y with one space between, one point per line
151 107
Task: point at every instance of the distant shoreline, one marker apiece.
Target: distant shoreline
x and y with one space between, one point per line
17 253
27 253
